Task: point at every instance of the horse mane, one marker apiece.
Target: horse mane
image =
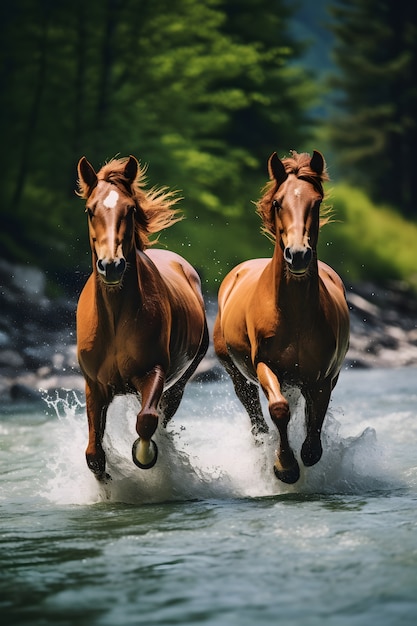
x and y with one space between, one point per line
299 165
154 207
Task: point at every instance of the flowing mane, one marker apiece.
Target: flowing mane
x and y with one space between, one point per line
154 208
299 165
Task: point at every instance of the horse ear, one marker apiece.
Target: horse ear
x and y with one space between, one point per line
87 177
317 163
276 169
131 169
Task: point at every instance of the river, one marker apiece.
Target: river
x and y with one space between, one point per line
209 535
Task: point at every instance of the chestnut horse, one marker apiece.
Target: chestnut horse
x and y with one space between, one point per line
141 324
284 322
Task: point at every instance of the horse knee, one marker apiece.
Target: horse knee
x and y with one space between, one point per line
280 413
146 424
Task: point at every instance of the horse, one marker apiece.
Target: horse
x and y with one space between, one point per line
283 322
141 323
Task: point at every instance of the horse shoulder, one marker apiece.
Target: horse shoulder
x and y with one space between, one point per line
332 289
87 318
91 351
182 285
329 276
246 307
334 306
183 297
240 283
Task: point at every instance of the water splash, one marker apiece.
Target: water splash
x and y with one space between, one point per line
206 452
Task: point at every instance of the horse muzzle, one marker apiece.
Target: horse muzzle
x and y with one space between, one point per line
111 272
298 259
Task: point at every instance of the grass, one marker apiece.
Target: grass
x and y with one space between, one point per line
367 241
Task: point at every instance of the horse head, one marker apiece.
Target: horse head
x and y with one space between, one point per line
111 208
295 207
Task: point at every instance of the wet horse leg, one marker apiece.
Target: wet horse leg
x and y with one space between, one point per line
286 466
248 394
317 401
145 451
96 405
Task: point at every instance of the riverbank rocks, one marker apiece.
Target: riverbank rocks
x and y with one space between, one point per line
38 344
383 326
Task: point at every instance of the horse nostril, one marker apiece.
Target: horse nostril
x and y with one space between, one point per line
111 271
288 255
308 255
298 260
121 265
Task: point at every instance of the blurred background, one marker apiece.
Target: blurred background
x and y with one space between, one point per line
204 92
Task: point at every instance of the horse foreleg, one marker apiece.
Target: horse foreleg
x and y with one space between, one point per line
286 466
317 401
96 405
145 451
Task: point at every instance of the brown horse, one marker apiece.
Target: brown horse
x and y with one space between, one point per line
141 324
283 322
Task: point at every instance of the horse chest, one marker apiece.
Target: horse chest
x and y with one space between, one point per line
114 355
296 355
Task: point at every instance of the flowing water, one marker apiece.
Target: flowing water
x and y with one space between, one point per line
209 535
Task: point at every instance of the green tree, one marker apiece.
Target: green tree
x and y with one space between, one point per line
374 130
203 92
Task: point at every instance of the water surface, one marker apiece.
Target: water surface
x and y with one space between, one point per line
209 536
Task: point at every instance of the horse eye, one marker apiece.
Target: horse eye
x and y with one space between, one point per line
90 213
276 205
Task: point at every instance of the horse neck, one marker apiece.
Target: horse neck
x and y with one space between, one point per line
110 302
297 297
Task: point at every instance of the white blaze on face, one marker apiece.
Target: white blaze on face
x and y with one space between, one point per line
297 192
111 200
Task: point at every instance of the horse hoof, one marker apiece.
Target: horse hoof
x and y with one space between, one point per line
311 455
144 454
97 467
104 478
289 476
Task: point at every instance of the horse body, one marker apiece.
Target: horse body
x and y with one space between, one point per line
284 322
269 323
141 324
140 331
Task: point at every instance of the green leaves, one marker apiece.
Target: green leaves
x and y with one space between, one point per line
203 92
374 125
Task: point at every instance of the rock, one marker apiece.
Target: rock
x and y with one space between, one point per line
23 393
11 359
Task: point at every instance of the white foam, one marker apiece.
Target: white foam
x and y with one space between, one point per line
206 455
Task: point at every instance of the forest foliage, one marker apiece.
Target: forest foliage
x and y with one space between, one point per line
203 93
